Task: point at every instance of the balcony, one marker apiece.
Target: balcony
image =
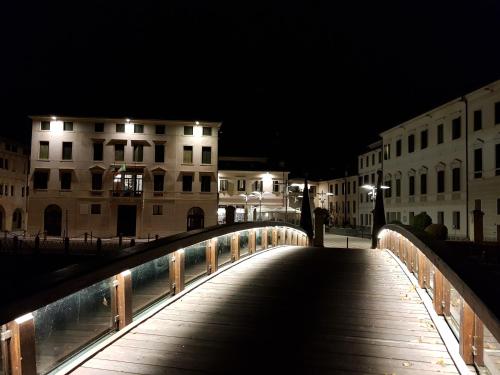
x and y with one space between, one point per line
126 193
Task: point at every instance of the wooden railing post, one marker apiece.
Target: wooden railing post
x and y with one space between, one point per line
251 241
478 342
22 346
235 247
275 237
466 335
211 256
177 271
438 292
124 298
446 297
264 238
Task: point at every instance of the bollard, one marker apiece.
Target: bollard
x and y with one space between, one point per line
132 242
347 242
91 237
156 237
37 244
120 239
98 244
85 237
66 245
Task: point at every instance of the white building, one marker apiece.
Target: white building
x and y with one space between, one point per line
483 133
368 164
14 166
340 197
254 192
118 176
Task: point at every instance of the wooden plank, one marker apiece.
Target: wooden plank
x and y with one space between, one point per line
124 298
466 337
22 346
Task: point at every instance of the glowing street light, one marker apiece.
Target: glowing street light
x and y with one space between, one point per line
259 195
324 196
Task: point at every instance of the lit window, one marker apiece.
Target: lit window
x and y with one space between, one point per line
223 185
188 155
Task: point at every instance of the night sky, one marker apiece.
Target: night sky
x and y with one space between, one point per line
338 72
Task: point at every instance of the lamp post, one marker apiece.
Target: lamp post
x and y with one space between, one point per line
324 196
259 195
373 192
246 195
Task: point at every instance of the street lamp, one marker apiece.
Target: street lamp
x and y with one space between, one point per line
259 195
323 196
246 195
373 191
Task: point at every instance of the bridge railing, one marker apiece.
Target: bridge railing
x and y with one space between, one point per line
474 322
47 321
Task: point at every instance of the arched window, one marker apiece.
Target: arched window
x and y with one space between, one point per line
195 218
17 219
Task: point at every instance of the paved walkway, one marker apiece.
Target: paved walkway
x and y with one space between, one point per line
335 240
287 311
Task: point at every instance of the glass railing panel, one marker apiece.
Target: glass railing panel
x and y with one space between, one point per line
223 249
195 261
258 239
243 240
64 327
453 318
491 352
150 282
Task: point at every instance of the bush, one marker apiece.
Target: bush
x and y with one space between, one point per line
421 221
437 231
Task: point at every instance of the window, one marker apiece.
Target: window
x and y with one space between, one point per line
440 181
206 155
22 191
187 182
159 153
188 130
398 187
380 156
456 125
207 130
353 207
45 125
257 185
40 179
343 188
388 192
96 181
498 206
360 163
440 217
241 185
349 187
398 147
205 184
424 138
411 185
188 155
455 179
120 128
6 164
12 190
497 159
223 185
65 180
157 209
44 150
158 181
95 209
440 134
67 150
119 152
354 187
138 128
160 129
373 159
336 189
478 163
99 127
98 151
497 113
138 152
276 186
423 183
387 152
478 119
67 126
367 160
411 143
456 219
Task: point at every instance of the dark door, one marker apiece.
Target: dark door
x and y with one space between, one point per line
53 220
195 218
125 223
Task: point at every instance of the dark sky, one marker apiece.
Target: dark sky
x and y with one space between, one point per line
310 82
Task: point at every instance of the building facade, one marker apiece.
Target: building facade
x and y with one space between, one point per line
255 195
108 177
14 169
368 164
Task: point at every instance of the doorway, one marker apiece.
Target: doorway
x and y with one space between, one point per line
53 220
126 220
195 218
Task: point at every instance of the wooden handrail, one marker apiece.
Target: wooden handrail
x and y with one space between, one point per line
471 291
30 294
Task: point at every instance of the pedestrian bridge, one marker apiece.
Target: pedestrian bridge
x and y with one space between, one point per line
252 298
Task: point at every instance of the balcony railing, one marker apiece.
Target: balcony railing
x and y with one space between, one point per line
126 193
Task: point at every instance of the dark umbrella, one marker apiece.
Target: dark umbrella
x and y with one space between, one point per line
378 211
305 212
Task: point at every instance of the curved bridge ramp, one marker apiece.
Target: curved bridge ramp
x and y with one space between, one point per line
289 310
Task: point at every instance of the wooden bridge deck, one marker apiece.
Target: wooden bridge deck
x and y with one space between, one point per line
289 310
